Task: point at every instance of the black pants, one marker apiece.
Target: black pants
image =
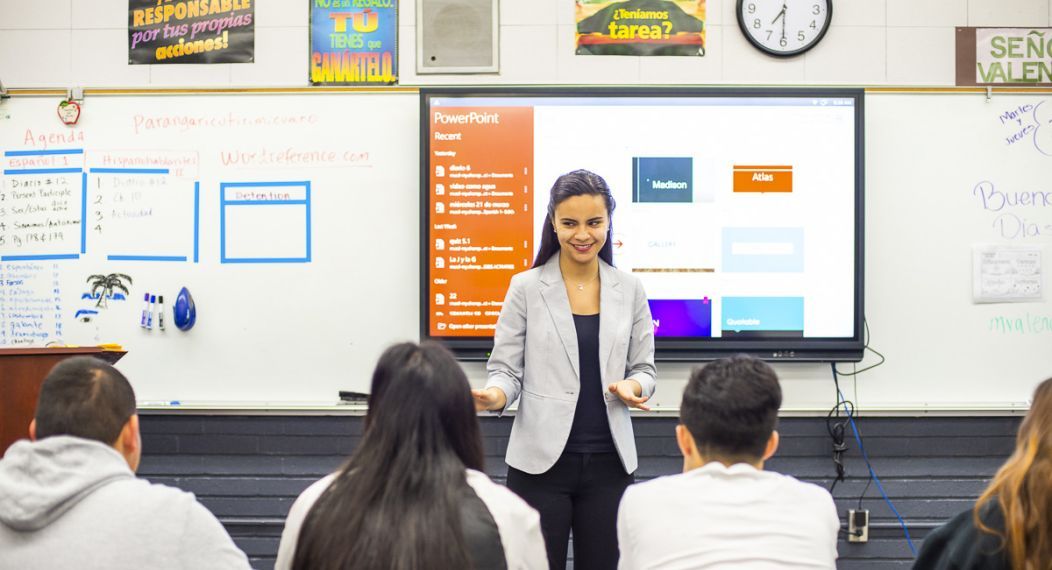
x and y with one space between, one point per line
581 491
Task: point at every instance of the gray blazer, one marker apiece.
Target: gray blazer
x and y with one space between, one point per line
535 360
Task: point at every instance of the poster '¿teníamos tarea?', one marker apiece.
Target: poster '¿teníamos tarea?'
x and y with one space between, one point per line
640 27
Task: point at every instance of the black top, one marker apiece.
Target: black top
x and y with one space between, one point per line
480 533
590 432
959 545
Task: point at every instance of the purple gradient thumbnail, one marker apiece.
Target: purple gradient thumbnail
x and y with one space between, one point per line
682 317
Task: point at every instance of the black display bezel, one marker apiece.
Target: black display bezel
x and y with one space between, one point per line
679 349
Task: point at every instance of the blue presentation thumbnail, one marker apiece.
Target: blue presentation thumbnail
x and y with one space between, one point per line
662 179
682 317
763 250
762 317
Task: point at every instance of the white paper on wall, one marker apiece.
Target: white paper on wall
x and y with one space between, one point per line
1006 274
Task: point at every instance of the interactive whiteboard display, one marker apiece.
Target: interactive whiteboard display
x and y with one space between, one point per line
739 210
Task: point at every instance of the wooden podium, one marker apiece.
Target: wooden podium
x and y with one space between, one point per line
22 371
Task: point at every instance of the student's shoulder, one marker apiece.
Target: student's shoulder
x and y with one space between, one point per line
791 487
137 495
495 496
145 491
653 491
311 494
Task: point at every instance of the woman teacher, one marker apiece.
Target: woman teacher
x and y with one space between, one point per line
575 345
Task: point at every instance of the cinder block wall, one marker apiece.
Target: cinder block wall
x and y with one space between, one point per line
249 469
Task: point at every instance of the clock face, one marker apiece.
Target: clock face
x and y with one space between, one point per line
784 27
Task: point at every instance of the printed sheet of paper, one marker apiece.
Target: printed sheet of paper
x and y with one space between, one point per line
1006 274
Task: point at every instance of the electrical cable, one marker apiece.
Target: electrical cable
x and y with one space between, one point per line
865 346
836 430
854 388
849 411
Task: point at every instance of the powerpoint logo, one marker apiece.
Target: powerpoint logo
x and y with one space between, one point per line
666 179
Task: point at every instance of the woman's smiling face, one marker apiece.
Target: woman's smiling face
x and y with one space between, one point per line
581 224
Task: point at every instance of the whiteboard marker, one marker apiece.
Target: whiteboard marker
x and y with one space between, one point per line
160 312
149 316
145 310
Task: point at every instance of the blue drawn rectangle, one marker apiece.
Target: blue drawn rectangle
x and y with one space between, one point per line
146 257
768 250
129 171
682 317
663 179
197 220
83 212
265 195
83 201
745 315
44 152
41 257
18 171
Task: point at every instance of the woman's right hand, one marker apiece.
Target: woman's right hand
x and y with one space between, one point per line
489 399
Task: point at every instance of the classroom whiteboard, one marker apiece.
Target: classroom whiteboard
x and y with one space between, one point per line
944 173
293 221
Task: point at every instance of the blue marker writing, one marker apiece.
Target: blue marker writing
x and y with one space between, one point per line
149 316
145 310
160 312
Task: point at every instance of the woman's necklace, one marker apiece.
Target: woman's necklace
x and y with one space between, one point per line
580 286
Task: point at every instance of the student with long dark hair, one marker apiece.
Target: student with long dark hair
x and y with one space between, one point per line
574 344
1010 526
412 495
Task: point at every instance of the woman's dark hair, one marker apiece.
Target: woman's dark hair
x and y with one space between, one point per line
395 504
576 183
1022 491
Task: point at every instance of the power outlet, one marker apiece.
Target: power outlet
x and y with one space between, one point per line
857 526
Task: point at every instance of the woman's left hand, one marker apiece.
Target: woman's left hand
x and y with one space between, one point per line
630 393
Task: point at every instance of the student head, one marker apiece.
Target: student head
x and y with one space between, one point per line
88 398
579 220
420 397
395 504
1022 488
729 412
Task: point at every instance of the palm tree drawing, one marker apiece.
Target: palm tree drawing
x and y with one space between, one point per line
107 283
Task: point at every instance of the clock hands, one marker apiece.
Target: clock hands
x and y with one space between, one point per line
781 15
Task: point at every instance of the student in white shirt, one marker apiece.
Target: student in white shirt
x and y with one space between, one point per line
413 495
724 511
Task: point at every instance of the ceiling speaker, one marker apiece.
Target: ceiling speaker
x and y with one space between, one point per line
457 36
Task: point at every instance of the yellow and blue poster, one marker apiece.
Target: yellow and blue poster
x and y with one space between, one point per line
354 42
640 27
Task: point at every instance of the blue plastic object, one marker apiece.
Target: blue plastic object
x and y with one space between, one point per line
185 311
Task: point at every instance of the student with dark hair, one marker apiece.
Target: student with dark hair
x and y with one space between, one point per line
724 510
70 499
574 344
413 495
1010 527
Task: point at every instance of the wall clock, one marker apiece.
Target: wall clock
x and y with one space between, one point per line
784 28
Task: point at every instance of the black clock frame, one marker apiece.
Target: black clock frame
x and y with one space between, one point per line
783 54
